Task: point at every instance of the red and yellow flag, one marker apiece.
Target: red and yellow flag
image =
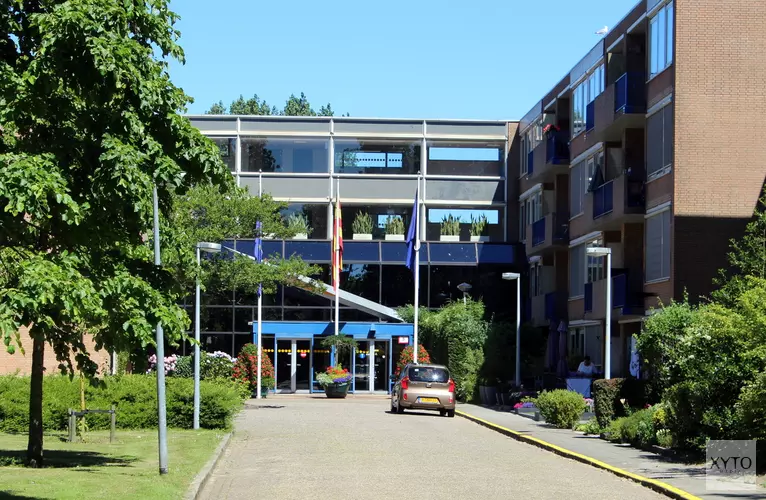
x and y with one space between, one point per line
337 245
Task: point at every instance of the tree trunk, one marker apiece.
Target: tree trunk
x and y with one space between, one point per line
35 444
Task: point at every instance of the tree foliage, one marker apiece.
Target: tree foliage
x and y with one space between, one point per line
294 106
90 125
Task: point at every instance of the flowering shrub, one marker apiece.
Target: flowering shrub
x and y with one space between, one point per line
217 365
170 363
246 368
406 357
334 375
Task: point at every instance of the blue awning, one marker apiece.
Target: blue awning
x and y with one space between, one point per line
310 329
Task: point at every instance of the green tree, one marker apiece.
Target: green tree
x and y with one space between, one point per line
294 106
91 124
746 258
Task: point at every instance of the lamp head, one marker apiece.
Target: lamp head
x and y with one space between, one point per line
598 251
464 287
511 276
206 246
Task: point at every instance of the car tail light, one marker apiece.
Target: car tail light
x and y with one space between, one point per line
405 383
451 385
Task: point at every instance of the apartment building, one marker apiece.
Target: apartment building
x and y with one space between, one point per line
644 147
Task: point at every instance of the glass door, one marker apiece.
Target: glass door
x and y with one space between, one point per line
284 366
302 365
362 367
381 369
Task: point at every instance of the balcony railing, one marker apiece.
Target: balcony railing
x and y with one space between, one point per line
630 93
538 232
619 291
556 149
603 199
588 297
590 115
530 162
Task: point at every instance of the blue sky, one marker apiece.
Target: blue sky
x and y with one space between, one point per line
484 59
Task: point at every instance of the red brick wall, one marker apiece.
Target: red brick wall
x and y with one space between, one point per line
720 146
22 363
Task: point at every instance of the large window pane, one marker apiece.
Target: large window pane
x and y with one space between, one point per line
299 297
658 246
398 285
379 215
654 46
577 271
217 342
576 191
302 155
243 315
361 156
494 228
447 158
228 148
314 214
216 319
667 135
308 314
669 35
362 280
445 279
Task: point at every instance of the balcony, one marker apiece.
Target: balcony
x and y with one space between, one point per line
630 93
550 158
590 116
547 234
613 204
547 307
626 299
530 163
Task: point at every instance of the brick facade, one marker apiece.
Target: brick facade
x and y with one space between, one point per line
22 363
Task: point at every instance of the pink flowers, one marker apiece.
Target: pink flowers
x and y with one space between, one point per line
169 363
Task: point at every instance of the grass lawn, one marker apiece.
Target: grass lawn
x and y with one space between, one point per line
96 469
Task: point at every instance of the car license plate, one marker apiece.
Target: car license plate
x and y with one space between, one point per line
428 400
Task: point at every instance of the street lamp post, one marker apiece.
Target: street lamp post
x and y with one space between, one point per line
465 288
606 252
210 248
517 277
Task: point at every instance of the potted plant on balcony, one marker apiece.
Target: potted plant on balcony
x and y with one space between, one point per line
479 228
450 229
336 380
362 226
299 226
394 228
551 128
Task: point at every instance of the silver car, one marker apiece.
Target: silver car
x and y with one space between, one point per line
424 387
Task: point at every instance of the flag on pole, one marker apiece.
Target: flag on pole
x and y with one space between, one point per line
413 238
337 245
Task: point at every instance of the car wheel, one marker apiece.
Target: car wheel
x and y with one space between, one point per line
399 409
450 413
442 412
393 408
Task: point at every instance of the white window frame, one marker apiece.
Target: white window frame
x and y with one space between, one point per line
661 39
576 341
579 292
595 267
536 279
523 221
523 169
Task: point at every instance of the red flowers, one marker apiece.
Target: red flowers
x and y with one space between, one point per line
407 357
246 368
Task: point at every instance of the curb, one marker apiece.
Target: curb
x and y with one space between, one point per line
201 479
658 486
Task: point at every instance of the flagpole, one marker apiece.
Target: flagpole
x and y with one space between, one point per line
417 275
336 242
259 331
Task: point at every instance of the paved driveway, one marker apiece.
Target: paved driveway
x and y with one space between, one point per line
314 448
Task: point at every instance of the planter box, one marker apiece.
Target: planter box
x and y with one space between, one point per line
445 237
365 237
301 236
337 391
491 393
394 237
479 238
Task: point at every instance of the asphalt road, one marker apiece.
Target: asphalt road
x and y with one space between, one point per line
315 448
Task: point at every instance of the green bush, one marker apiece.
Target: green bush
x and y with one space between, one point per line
606 400
751 408
637 429
561 408
590 427
184 367
134 395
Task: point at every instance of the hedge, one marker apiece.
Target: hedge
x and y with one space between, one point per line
607 396
134 395
561 408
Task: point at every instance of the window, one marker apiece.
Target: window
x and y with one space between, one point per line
658 246
584 94
661 40
362 156
284 155
523 163
228 149
595 266
465 158
577 271
659 142
529 141
530 211
523 221
576 193
576 341
535 279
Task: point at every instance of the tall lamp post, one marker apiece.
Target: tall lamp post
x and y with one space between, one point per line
202 246
465 288
517 277
606 252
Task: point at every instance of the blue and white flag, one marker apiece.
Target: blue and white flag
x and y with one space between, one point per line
258 250
413 239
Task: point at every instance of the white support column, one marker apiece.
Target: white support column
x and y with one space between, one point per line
371 365
293 366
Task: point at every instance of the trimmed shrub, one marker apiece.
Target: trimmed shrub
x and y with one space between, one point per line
606 400
560 407
246 368
134 395
751 408
637 429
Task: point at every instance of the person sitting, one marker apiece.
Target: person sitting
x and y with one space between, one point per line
586 368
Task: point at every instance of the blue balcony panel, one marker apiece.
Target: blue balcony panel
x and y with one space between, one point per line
495 253
358 251
603 199
556 149
619 291
538 232
588 297
530 162
590 115
310 251
630 93
453 253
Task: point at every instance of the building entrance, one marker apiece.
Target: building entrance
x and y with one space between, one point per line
372 366
293 365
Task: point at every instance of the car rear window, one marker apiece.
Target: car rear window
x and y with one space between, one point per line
428 374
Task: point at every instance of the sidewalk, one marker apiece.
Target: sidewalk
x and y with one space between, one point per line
689 478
